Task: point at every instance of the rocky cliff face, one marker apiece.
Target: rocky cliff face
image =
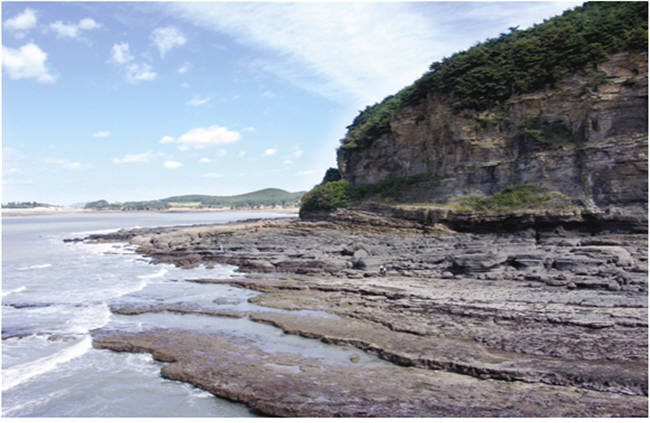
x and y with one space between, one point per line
587 137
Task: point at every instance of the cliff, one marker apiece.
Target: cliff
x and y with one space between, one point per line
561 107
587 138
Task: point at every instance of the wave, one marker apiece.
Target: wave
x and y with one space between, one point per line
93 232
21 373
14 291
158 274
89 318
35 266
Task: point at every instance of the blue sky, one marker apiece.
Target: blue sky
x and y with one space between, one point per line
132 101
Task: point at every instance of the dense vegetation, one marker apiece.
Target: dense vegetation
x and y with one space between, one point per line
518 62
326 196
333 194
264 198
24 205
341 194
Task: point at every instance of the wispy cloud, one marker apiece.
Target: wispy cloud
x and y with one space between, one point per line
26 62
183 69
305 172
166 139
102 134
133 158
166 38
270 152
198 101
204 160
212 175
347 50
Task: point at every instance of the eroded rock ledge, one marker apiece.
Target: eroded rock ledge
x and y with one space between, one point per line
556 311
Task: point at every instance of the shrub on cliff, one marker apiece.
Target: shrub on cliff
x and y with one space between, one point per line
328 196
332 175
511 198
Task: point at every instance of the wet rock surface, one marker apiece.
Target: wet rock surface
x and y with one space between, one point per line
285 384
544 321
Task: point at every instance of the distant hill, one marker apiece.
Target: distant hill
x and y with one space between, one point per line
25 205
270 197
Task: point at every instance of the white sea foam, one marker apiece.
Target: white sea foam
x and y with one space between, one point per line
35 266
88 318
14 291
93 232
158 274
21 373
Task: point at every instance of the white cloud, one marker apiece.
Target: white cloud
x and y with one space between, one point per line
212 175
204 160
102 134
268 94
304 172
120 53
185 85
297 154
287 162
88 24
241 154
249 129
167 38
170 164
22 22
198 101
135 72
183 69
222 152
359 50
139 72
202 137
73 30
27 61
166 139
270 151
133 158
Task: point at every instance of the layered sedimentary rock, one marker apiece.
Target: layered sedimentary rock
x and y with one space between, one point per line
546 313
586 137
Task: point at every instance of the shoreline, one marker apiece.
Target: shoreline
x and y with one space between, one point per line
547 314
40 211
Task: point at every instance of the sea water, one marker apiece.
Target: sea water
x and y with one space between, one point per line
55 293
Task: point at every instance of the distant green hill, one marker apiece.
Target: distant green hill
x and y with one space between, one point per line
25 205
269 197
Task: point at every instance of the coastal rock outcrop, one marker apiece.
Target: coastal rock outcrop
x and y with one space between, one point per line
564 307
586 137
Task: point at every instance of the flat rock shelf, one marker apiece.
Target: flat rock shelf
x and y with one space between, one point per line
537 322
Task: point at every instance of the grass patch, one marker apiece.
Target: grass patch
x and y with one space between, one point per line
512 198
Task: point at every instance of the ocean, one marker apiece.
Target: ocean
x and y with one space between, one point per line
55 293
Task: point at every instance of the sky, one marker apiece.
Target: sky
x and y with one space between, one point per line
143 100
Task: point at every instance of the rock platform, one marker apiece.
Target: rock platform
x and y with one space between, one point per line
549 320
